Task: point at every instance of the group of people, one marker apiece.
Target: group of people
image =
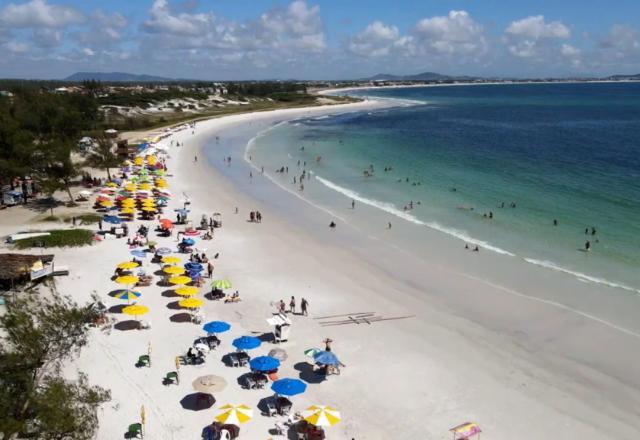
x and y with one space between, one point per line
304 306
255 217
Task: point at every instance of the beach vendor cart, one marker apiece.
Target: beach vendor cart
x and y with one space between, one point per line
466 431
281 327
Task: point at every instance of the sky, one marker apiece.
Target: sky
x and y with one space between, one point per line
319 39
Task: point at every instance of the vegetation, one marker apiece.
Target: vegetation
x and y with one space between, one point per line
58 238
84 219
102 156
35 400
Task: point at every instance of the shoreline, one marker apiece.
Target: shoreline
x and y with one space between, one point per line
473 350
545 302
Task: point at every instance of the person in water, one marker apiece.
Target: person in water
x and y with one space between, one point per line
587 246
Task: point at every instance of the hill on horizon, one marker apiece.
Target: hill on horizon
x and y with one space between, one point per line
424 76
114 77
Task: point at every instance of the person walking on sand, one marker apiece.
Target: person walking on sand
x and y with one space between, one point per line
195 158
210 269
282 307
353 204
304 305
292 305
327 344
389 225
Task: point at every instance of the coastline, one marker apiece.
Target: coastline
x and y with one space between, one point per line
476 349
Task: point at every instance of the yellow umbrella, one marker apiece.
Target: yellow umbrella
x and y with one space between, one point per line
128 202
148 202
191 303
145 186
127 211
234 414
138 161
107 203
181 279
135 310
174 270
111 184
130 187
128 265
127 279
171 259
321 415
149 209
187 290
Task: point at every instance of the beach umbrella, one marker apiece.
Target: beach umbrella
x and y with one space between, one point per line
311 352
221 284
106 203
166 223
191 303
127 294
209 384
321 415
112 219
264 363
187 290
234 414
173 270
127 279
171 259
246 342
163 251
128 265
180 279
192 233
279 354
326 358
193 267
149 209
111 184
288 387
127 211
188 242
139 253
216 327
135 310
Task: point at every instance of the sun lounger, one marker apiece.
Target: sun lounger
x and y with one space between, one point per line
144 361
233 360
271 408
171 377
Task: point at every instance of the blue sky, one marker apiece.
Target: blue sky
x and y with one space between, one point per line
323 39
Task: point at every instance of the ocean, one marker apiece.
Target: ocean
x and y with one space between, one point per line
529 171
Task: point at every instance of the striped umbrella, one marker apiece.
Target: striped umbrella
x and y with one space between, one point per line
221 284
127 294
321 415
234 414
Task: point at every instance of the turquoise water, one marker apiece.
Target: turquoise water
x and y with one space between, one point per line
564 152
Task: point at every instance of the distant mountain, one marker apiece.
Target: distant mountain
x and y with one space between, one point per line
114 77
424 76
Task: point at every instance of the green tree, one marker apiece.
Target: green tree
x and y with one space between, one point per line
38 335
101 155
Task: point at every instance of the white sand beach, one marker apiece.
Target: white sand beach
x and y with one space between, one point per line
510 352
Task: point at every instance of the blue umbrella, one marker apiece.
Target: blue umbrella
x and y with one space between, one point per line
246 342
289 387
216 327
163 251
139 253
197 267
264 363
194 274
188 242
112 219
326 358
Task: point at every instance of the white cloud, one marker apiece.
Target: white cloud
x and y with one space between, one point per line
455 34
88 52
38 13
535 28
533 37
16 47
161 20
569 50
104 30
377 39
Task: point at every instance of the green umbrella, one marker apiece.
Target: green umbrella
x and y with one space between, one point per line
311 352
221 284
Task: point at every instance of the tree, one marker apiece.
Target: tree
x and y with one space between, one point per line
35 401
102 156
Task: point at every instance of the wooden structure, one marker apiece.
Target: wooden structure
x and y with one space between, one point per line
17 268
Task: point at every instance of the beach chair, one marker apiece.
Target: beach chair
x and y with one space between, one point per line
134 431
233 360
171 377
271 408
250 383
225 435
280 429
144 361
